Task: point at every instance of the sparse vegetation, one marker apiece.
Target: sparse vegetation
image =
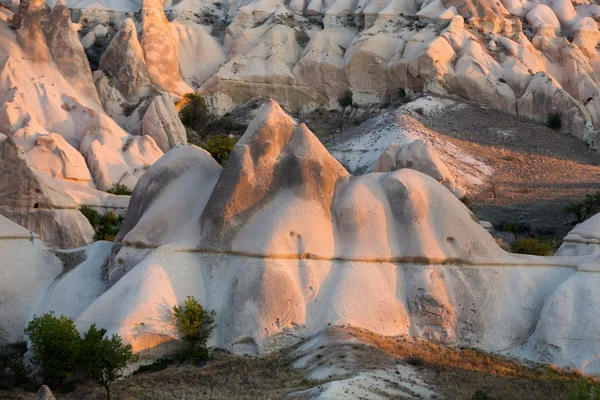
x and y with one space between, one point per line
554 120
120 189
220 147
584 209
534 246
196 324
107 226
13 373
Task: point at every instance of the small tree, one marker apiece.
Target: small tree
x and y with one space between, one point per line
196 324
104 359
55 345
195 114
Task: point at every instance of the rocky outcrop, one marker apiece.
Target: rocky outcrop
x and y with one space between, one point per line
420 156
124 59
67 51
161 122
31 199
48 35
161 49
583 240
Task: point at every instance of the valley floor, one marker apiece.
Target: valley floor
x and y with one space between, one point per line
347 363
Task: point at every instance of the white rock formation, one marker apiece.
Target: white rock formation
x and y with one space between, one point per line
27 270
283 242
583 240
161 122
422 157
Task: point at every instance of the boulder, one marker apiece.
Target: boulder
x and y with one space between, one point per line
44 394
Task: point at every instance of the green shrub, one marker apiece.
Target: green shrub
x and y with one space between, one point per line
195 114
401 93
92 215
196 324
55 343
158 365
346 99
584 209
120 189
581 390
535 246
104 359
109 227
554 120
220 147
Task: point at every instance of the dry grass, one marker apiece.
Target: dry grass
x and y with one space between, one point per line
458 374
537 170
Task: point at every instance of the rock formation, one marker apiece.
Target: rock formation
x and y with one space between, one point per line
161 122
28 269
124 59
44 394
34 201
420 156
161 49
283 242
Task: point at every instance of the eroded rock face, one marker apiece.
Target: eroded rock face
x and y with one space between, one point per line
48 35
161 48
28 269
124 59
31 199
67 51
420 156
161 122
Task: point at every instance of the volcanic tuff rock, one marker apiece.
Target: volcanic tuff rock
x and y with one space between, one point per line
161 48
124 59
44 394
161 122
33 200
420 156
283 242
28 269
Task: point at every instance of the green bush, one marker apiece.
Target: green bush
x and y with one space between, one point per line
535 246
195 114
158 365
92 215
119 189
554 120
55 343
109 227
401 93
104 359
220 147
584 209
509 226
346 99
196 324
12 371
